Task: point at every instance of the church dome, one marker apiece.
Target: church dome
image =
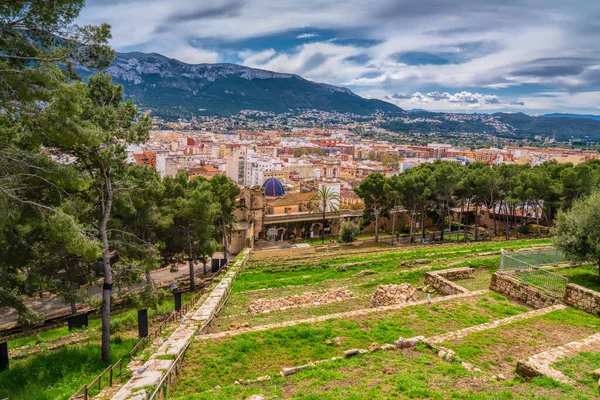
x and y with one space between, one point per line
273 187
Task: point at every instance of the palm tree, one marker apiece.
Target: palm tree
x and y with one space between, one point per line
325 200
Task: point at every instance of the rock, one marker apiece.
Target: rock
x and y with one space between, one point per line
596 374
374 347
388 346
244 325
233 327
257 397
336 358
350 353
407 343
363 351
236 382
387 295
217 387
476 370
263 378
329 342
365 272
501 377
425 288
293 370
442 353
338 340
467 366
332 295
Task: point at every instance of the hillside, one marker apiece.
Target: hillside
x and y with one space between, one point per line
172 88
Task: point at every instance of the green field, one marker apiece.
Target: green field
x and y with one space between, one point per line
227 366
53 364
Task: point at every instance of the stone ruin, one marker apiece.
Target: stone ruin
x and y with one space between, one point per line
387 295
258 306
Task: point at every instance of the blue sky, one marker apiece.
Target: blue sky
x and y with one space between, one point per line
533 56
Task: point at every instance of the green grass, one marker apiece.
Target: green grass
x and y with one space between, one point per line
585 275
57 375
250 355
121 321
580 368
497 350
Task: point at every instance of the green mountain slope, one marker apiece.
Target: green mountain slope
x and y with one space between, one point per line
171 88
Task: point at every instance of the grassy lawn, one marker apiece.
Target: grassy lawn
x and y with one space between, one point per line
247 356
584 275
397 374
480 280
580 367
57 374
416 373
497 350
310 268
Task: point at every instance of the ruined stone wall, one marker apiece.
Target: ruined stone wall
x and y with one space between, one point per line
442 280
511 287
585 299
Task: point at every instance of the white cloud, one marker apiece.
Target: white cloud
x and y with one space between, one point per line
520 33
307 35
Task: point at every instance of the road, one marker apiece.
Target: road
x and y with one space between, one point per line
54 305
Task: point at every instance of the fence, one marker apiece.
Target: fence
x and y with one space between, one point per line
96 384
526 267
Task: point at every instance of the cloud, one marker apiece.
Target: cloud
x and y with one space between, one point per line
307 35
447 51
230 9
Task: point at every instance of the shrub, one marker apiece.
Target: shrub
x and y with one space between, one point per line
348 232
524 229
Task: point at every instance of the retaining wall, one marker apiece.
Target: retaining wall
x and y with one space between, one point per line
511 287
442 280
585 299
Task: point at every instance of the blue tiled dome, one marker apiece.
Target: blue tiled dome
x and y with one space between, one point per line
273 188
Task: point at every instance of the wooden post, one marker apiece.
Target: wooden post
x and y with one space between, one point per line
85 392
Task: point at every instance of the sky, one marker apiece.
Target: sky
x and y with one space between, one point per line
531 56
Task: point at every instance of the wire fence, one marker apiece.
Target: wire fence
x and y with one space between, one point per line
526 266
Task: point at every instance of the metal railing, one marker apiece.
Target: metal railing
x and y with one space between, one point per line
533 274
96 384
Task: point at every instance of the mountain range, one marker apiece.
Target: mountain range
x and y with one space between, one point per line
172 88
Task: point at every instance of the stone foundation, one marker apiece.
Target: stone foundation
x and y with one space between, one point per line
511 287
541 363
442 280
585 299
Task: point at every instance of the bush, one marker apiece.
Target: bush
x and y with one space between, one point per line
524 229
348 232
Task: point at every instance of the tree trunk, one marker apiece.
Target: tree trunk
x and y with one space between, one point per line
412 223
191 260
393 226
537 219
224 237
476 222
422 225
376 224
149 280
107 200
449 225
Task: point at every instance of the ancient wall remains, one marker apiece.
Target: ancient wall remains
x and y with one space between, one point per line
513 288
